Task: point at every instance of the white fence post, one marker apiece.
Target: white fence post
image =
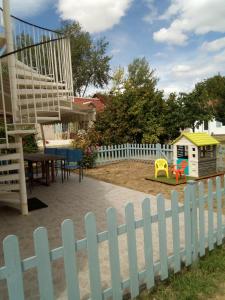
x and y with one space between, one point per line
194 220
158 150
107 154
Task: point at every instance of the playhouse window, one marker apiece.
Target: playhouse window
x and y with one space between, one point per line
206 152
182 151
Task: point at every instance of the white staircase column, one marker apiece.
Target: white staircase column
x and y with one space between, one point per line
11 58
22 178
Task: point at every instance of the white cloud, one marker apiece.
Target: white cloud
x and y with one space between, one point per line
170 37
161 54
115 51
94 15
171 89
29 8
214 46
152 13
181 69
180 74
198 17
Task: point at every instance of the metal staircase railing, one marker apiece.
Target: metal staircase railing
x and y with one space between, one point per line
43 82
36 85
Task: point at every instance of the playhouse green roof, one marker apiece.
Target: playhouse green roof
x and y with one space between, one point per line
198 139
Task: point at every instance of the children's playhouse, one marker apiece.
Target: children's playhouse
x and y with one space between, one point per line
198 152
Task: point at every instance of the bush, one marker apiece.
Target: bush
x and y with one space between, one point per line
30 144
89 158
85 140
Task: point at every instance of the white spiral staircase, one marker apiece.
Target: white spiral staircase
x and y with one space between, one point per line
35 87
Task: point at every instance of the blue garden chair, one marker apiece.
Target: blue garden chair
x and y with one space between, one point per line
50 151
74 162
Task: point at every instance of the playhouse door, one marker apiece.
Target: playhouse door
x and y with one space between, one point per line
186 170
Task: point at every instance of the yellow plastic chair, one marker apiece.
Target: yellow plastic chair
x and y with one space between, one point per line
161 165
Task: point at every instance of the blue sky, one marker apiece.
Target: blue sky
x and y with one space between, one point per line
184 41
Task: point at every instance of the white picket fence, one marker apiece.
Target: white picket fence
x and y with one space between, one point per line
193 229
221 158
148 152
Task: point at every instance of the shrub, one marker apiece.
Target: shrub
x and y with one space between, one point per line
85 140
30 144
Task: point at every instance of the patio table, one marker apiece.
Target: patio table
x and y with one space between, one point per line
47 161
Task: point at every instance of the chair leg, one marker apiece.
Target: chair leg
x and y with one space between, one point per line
177 176
79 174
167 173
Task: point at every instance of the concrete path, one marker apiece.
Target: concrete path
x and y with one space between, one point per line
72 200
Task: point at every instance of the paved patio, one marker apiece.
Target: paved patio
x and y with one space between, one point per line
72 200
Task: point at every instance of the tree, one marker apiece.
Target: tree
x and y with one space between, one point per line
195 108
134 112
118 80
173 117
90 64
215 87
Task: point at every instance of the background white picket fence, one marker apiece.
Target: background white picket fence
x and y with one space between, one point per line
149 152
203 227
221 157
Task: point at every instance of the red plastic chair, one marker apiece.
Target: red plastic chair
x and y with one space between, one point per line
178 170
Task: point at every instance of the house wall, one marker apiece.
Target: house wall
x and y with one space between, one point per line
214 127
192 155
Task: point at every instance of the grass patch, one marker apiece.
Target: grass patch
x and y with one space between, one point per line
193 283
170 180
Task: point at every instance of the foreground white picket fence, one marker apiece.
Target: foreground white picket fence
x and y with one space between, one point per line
150 152
202 229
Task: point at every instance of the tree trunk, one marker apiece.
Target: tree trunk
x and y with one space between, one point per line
87 83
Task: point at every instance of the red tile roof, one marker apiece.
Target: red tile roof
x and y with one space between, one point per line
96 102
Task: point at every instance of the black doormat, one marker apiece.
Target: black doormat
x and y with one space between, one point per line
35 203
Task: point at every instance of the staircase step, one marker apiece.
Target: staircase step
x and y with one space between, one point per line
9 177
9 187
48 119
10 146
11 156
9 167
49 100
39 83
22 132
40 120
46 112
21 92
33 74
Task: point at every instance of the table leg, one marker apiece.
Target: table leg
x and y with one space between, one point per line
53 170
30 170
47 172
62 169
43 170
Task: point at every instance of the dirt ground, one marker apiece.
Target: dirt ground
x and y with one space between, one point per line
132 174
